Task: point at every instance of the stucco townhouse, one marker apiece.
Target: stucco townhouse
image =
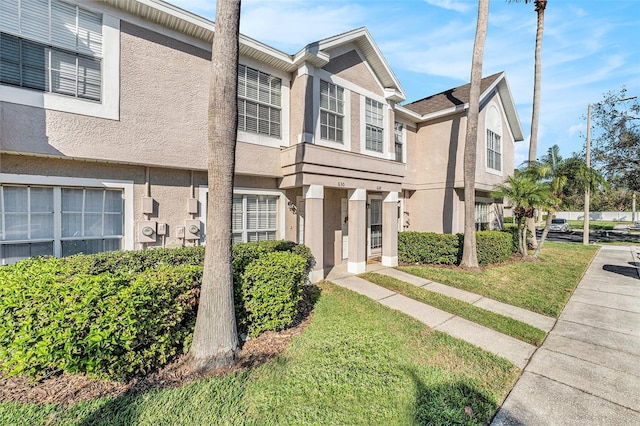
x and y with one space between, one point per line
103 117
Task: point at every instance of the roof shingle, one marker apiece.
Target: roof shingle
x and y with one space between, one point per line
449 98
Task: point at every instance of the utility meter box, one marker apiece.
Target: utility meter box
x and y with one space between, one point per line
148 231
192 205
147 205
192 229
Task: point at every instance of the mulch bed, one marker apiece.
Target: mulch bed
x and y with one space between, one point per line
68 388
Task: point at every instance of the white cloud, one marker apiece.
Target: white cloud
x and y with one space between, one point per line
456 6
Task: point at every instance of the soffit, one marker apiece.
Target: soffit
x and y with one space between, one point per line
180 20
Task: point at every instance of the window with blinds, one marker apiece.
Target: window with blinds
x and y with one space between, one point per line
51 46
254 218
494 155
48 221
482 216
259 102
374 119
331 112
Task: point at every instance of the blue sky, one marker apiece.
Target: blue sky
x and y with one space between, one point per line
590 47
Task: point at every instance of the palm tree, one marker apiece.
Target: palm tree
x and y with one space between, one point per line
550 170
540 6
557 173
524 192
469 251
215 338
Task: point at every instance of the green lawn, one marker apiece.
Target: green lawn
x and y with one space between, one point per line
357 363
501 323
543 286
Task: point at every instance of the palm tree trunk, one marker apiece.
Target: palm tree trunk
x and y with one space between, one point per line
535 114
469 250
545 232
533 143
215 339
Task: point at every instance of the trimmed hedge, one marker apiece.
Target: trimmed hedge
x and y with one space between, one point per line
429 248
271 287
493 246
115 315
446 249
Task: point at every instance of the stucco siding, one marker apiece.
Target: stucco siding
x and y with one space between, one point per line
163 114
351 67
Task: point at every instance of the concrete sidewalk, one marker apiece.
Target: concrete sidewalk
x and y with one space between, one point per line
587 372
514 350
542 322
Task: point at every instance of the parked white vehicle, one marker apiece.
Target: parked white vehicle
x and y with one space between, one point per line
559 225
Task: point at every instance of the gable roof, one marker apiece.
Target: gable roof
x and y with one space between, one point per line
372 54
457 99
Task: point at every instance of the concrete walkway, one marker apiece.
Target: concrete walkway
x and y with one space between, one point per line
532 318
514 350
587 372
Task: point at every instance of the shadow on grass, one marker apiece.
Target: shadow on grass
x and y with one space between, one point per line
452 403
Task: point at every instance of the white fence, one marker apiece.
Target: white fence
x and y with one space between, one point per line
610 216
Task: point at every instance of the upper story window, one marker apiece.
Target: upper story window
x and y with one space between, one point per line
50 46
494 139
259 102
494 155
375 130
331 112
398 133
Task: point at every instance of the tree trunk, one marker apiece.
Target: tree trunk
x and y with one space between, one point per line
545 232
469 251
531 226
533 142
215 338
535 114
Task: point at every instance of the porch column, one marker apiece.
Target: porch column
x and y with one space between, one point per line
314 227
357 263
390 229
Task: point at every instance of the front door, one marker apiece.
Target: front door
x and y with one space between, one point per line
374 230
344 220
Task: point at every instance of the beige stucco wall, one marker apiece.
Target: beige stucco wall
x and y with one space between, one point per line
163 114
301 107
169 188
436 155
351 67
434 210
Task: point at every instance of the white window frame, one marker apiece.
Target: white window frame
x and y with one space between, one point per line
345 145
262 139
80 183
369 123
109 105
203 190
493 124
337 113
403 141
258 102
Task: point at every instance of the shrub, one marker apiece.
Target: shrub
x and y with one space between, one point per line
494 247
118 314
446 249
134 261
429 248
106 325
246 253
271 287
